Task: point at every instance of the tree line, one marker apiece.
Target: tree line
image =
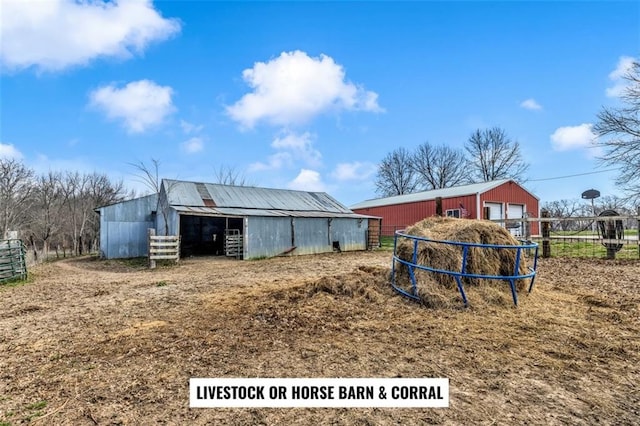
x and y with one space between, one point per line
488 154
54 210
578 208
491 154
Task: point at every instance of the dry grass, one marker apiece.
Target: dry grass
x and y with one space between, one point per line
86 343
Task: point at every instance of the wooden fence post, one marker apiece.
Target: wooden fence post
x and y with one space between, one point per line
151 233
546 234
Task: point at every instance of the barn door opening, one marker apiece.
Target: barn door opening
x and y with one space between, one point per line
233 238
205 235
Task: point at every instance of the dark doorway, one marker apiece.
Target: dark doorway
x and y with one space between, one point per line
204 235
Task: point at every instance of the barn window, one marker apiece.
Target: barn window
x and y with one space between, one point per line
453 213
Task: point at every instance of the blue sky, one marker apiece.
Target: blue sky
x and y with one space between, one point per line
308 95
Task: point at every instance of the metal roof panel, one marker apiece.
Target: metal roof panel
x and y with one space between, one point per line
456 191
184 193
231 211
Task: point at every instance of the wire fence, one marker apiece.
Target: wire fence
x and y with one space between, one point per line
582 237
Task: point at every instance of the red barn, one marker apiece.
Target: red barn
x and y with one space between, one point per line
498 199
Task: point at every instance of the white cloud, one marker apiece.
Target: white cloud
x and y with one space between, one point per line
300 147
617 77
9 151
292 147
193 145
573 137
531 104
274 162
294 87
189 128
140 104
307 180
353 171
56 34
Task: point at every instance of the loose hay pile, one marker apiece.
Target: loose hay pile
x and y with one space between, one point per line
439 290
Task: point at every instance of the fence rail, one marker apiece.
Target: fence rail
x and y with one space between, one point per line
13 263
568 236
584 236
163 247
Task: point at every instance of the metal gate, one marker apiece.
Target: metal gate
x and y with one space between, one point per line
13 263
233 243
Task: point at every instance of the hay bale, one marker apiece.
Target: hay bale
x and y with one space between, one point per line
364 282
485 261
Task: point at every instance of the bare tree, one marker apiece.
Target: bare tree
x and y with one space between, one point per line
619 131
16 185
563 209
46 214
99 190
82 193
439 166
613 202
494 155
148 175
395 175
227 175
72 186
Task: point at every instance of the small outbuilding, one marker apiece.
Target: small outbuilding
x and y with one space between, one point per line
238 221
495 200
124 225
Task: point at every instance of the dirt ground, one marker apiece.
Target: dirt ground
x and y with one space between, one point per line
90 342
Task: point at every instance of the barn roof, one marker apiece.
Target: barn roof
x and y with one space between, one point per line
149 199
228 200
455 191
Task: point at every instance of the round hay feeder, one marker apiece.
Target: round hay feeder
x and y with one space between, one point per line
447 252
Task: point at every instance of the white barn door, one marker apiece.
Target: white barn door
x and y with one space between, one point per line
495 211
515 211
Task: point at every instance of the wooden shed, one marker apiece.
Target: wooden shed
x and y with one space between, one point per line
495 200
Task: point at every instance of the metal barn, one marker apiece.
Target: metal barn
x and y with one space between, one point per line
249 222
496 200
123 227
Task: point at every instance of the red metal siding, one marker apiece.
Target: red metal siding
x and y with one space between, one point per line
467 201
400 215
512 193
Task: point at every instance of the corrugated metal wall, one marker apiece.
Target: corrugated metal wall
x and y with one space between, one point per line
272 236
267 236
121 240
350 233
123 227
311 235
400 215
466 201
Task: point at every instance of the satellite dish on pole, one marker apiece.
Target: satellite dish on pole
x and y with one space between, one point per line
590 194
